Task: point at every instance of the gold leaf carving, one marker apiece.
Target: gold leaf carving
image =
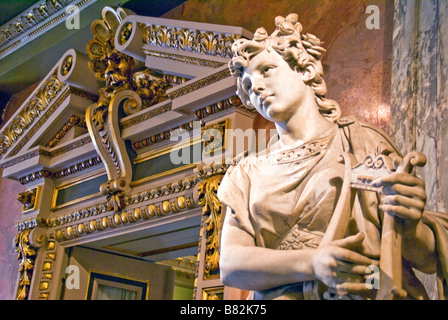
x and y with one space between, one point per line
211 212
26 255
35 106
28 199
205 42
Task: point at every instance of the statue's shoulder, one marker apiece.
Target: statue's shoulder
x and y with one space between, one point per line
359 131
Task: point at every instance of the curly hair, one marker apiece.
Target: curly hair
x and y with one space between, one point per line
301 51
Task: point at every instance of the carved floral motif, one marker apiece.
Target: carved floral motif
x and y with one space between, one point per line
205 42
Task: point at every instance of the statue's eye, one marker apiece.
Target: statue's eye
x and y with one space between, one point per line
267 71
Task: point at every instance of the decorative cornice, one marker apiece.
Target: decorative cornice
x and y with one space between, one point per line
25 157
233 101
190 40
207 170
185 59
36 21
148 114
35 106
78 167
54 153
125 217
31 224
35 176
74 145
132 199
73 121
201 83
165 135
200 114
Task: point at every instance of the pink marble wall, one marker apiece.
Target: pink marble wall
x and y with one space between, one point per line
10 210
10 213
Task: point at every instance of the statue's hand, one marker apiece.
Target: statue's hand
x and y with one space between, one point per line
403 196
341 268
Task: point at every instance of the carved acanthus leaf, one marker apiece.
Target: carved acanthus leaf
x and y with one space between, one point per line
211 212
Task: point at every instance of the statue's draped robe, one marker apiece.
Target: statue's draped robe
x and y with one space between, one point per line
285 199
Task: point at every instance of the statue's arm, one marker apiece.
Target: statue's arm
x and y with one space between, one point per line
244 265
419 248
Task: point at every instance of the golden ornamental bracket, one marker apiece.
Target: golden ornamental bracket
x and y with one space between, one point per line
104 129
124 93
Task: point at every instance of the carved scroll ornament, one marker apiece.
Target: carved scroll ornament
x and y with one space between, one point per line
106 137
125 92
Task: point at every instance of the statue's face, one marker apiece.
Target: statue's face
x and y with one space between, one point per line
273 88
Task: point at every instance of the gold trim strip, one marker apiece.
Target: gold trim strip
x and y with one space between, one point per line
212 293
65 93
99 224
35 33
196 85
185 59
148 114
54 153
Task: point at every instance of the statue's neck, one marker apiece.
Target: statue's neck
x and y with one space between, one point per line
305 125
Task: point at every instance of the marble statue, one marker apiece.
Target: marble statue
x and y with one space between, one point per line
331 200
